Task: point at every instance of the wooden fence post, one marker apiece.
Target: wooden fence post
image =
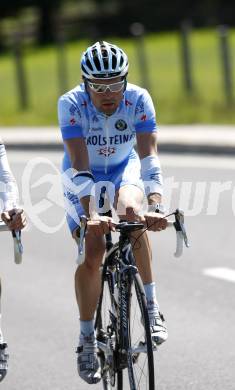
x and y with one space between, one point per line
61 62
226 63
20 72
137 30
186 57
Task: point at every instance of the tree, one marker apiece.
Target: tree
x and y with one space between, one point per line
47 15
47 22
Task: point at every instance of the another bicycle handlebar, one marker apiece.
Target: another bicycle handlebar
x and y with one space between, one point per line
18 247
181 235
178 224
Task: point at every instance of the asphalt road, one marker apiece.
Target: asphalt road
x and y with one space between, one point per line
40 318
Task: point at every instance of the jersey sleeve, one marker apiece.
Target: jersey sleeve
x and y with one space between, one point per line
145 118
9 196
69 116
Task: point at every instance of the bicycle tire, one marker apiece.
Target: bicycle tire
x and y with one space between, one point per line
111 379
140 364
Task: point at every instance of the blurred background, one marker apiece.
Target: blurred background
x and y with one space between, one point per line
181 51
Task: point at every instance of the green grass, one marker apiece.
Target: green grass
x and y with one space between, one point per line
164 75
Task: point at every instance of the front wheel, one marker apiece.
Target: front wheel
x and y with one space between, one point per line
140 353
106 335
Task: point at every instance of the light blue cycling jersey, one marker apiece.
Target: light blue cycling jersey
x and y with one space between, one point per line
110 139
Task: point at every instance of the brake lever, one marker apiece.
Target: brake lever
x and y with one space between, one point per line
179 225
181 236
18 247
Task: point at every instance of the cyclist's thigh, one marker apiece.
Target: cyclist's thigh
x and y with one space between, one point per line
129 187
128 197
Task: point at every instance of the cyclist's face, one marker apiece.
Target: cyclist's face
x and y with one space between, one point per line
108 101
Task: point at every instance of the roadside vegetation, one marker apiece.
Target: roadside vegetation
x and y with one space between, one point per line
206 104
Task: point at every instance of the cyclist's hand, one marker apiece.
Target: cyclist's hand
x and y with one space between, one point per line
132 215
98 225
15 219
155 222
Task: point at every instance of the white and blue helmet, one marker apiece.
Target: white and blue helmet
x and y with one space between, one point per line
104 61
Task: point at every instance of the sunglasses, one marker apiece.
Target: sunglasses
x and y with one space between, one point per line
102 88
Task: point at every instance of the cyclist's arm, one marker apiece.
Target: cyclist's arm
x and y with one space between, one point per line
146 132
78 153
147 147
71 126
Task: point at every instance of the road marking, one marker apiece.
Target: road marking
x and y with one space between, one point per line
221 273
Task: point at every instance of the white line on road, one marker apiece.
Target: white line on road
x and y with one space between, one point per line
227 274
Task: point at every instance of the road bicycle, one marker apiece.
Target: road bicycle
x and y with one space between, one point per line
125 346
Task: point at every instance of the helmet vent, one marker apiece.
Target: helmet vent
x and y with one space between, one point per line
97 62
106 63
114 62
84 70
104 53
88 63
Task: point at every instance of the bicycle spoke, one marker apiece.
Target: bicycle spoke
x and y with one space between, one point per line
142 369
111 379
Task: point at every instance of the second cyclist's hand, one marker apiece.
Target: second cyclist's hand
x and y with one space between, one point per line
98 226
155 222
15 219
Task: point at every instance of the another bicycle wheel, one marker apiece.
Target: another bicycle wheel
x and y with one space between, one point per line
106 335
140 354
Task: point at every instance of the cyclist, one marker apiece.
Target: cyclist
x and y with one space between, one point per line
100 121
15 220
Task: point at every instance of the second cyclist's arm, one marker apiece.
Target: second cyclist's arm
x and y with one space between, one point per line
9 190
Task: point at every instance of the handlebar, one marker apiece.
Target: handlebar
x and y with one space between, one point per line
178 224
18 247
181 235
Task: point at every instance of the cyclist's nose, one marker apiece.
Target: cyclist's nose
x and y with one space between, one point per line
108 91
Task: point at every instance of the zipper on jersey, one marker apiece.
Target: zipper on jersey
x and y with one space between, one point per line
107 138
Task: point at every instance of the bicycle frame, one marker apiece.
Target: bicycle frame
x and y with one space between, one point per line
119 271
125 275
